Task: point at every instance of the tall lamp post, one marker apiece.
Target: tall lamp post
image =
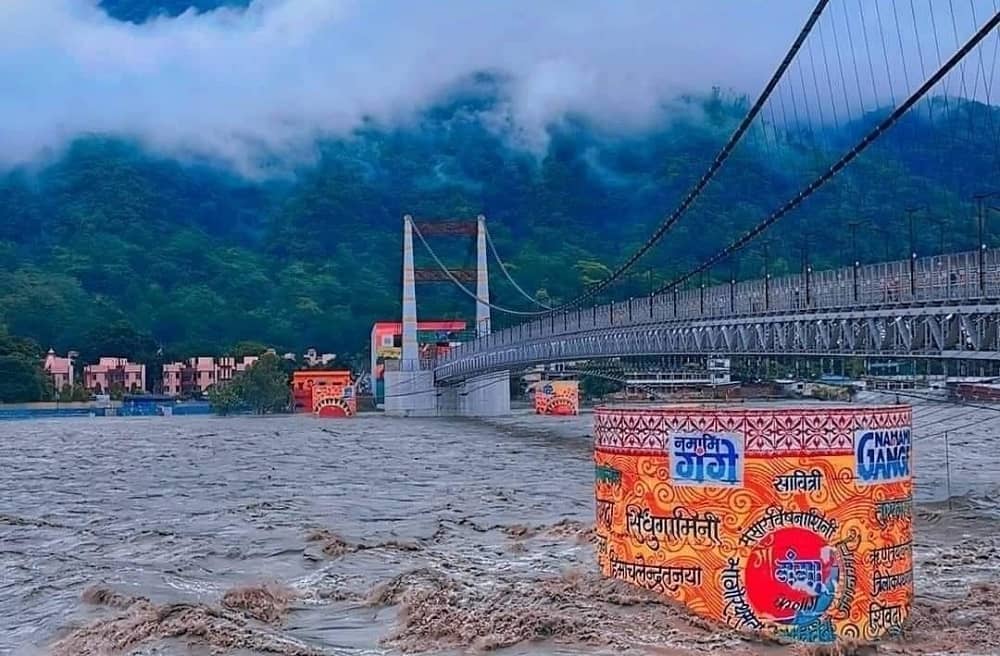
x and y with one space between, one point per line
982 250
766 244
981 208
910 211
885 239
806 265
855 263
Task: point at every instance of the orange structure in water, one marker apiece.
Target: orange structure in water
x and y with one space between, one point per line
557 397
792 522
324 393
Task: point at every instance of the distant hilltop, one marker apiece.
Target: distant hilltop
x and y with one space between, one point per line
138 11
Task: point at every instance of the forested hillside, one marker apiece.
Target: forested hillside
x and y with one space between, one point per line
196 258
201 259
138 11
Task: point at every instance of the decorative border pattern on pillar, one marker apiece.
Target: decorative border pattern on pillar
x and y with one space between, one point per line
795 523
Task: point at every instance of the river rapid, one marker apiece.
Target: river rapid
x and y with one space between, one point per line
307 537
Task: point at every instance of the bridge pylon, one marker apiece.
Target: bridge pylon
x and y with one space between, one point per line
482 280
410 356
411 391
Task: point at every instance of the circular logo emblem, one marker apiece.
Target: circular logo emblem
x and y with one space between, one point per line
791 576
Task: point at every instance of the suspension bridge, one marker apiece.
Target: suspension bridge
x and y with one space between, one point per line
940 307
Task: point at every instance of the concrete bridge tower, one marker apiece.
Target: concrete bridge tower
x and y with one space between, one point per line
410 391
410 357
482 280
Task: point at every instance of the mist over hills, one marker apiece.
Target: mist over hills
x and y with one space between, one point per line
200 257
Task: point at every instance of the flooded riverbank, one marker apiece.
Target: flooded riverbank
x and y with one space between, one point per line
290 535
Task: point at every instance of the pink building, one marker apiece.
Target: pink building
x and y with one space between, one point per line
173 373
198 374
60 370
111 372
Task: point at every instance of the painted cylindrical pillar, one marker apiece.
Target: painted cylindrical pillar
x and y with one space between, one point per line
791 522
557 397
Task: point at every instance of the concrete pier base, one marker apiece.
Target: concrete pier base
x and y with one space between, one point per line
485 396
410 394
447 400
413 394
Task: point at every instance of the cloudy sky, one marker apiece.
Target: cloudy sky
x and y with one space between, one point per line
232 84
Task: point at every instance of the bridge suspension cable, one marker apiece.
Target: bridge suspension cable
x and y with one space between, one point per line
688 199
465 290
506 273
709 174
846 159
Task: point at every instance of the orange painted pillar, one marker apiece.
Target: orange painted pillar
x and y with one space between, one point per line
790 522
557 397
328 393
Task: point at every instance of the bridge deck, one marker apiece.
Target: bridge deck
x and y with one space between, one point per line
942 306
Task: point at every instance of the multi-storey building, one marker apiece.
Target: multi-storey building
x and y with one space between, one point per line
196 375
110 372
60 370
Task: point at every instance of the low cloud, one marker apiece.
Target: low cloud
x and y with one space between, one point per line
240 86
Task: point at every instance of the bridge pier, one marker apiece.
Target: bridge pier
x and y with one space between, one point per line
448 400
485 396
413 394
410 391
410 394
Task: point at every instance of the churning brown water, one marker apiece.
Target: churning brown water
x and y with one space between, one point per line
298 536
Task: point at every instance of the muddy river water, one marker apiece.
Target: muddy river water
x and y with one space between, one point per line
297 536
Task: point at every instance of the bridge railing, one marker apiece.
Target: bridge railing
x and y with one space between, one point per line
951 277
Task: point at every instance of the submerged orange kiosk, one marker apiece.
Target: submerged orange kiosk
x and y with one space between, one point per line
794 523
324 393
557 397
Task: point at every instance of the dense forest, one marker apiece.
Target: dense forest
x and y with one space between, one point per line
113 245
138 11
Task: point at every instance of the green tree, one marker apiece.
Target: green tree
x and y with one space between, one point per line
22 377
121 339
79 393
261 389
22 380
264 386
247 347
20 346
597 386
116 391
226 399
118 339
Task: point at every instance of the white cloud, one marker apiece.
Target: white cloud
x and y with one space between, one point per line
237 85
